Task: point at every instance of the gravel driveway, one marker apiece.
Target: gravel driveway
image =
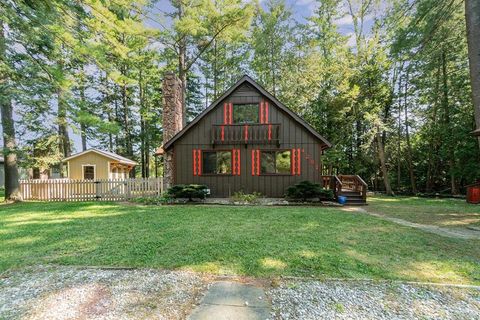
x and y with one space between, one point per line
370 300
89 293
57 292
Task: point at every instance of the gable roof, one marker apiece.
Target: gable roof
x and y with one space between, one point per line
107 154
264 92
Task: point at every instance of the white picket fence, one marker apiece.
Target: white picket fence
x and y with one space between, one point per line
90 190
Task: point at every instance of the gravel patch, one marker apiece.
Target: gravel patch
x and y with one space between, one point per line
48 292
298 299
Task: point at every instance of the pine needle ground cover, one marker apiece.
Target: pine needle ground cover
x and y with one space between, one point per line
254 241
451 213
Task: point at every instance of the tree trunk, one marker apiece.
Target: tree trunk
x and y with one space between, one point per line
182 68
446 106
472 17
117 119
12 186
142 123
433 155
83 102
383 166
407 137
215 72
399 138
63 136
126 127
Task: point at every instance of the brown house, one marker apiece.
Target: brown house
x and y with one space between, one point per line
246 140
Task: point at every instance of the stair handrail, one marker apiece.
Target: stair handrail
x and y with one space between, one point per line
365 186
333 183
338 186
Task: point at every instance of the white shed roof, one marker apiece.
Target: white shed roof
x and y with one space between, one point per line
107 154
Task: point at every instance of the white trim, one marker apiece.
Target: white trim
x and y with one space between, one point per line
100 152
68 169
94 170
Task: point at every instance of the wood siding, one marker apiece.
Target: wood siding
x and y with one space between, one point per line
100 162
292 135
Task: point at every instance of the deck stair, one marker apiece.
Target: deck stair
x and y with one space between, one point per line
350 186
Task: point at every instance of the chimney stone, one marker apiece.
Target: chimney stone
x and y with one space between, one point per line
172 120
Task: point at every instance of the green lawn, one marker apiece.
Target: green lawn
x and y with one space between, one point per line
441 212
257 241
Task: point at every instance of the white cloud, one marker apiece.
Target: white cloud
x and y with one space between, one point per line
351 39
344 21
304 2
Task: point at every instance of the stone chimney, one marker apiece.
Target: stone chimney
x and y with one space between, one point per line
172 120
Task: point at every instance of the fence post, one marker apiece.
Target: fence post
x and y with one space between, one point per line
97 189
128 193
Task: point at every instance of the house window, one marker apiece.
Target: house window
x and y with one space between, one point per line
88 172
245 113
217 162
275 162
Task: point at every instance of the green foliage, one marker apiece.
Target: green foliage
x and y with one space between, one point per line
246 197
189 191
95 68
306 190
165 198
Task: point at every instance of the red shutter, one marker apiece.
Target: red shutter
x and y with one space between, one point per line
239 164
230 112
258 162
261 111
266 112
299 162
194 162
253 162
225 119
269 132
199 152
222 133
246 132
234 161
292 159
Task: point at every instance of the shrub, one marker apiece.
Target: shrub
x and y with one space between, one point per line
189 191
163 199
307 190
246 197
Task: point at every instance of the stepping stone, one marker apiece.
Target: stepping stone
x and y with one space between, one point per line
227 300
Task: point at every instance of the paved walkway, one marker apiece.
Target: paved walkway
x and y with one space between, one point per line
227 300
445 232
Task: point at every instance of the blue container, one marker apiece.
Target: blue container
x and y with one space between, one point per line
342 199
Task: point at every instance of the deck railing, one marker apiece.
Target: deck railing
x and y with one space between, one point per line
90 190
332 183
354 183
246 133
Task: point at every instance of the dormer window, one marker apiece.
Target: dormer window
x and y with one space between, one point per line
245 113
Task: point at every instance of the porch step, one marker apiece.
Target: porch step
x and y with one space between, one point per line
353 198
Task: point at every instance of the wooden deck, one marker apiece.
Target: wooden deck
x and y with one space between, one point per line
350 186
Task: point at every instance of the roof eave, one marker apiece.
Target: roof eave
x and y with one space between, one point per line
246 78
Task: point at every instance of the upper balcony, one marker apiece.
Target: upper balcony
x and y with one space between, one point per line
246 133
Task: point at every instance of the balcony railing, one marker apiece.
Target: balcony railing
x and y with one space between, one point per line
246 133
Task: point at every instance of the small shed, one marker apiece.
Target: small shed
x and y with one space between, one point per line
2 172
93 164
